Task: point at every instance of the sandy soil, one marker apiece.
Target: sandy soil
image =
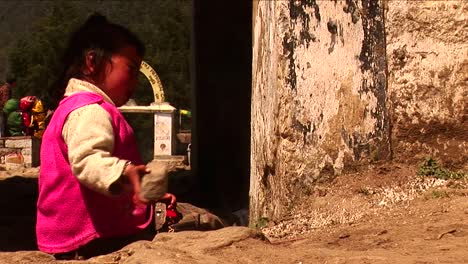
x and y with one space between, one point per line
384 214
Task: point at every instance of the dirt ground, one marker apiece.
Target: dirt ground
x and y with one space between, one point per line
383 214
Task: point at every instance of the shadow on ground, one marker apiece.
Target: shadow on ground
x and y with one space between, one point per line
18 196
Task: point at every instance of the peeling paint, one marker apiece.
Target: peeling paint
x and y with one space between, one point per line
299 15
298 11
372 57
289 45
351 8
333 29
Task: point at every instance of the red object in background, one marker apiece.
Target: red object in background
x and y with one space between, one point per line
26 117
25 106
27 102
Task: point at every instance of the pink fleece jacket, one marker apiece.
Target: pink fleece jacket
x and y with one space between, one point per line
69 214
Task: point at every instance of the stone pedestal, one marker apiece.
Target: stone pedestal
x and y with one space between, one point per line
164 131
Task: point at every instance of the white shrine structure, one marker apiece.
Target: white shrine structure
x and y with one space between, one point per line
164 113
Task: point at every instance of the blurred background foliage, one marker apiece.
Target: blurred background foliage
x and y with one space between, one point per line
35 35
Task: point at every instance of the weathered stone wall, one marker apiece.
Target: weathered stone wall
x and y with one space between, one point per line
427 51
318 96
24 150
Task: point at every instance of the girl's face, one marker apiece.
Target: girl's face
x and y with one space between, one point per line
121 75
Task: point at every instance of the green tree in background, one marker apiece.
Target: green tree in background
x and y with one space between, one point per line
163 26
35 57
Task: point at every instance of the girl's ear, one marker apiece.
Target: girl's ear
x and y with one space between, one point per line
90 60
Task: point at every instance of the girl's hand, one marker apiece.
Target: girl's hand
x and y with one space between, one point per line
133 173
169 199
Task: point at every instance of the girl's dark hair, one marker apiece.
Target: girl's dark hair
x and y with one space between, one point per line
102 37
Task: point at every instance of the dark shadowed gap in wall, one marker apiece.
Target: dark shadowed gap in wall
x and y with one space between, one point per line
18 196
222 77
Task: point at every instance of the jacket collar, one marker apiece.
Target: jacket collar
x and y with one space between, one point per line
76 85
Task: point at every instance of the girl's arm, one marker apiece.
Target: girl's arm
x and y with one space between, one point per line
89 135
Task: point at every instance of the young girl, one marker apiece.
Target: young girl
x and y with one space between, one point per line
90 167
